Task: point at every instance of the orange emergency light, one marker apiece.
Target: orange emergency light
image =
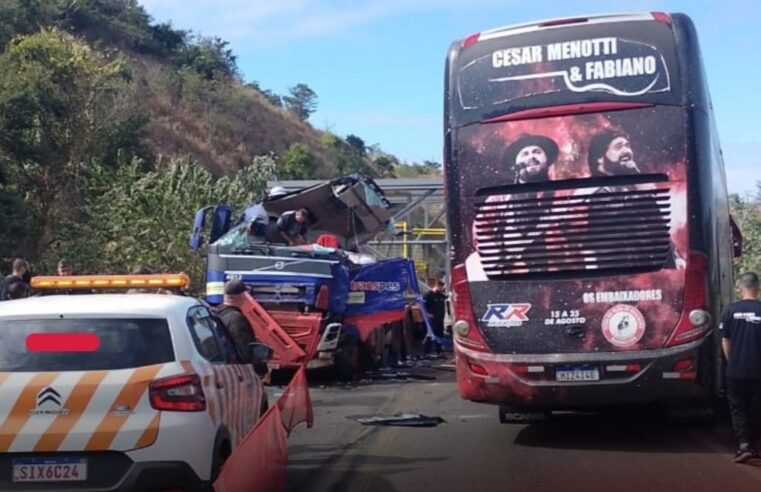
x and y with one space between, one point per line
160 280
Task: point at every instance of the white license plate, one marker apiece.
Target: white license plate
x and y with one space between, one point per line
49 470
578 374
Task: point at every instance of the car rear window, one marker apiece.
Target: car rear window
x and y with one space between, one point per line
121 344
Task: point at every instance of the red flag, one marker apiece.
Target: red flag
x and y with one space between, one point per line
259 461
295 404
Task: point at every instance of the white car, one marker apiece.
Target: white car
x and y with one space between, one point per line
120 392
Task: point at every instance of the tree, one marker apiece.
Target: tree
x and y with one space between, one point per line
357 144
344 158
298 163
747 214
302 101
211 58
61 105
273 98
385 167
154 214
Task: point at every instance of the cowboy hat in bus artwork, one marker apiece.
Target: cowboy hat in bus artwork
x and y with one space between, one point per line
526 170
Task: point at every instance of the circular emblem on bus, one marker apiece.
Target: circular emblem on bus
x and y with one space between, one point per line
623 325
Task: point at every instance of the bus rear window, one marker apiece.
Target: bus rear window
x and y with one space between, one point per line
87 344
633 62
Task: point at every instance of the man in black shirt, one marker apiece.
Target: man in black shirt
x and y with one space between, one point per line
741 341
435 303
293 226
20 275
237 325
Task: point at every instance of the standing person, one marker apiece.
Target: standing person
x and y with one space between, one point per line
20 275
17 290
435 305
293 226
65 269
237 325
741 342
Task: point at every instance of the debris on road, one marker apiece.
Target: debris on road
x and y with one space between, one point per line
398 375
404 420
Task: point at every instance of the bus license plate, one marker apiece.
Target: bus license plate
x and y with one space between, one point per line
577 373
49 470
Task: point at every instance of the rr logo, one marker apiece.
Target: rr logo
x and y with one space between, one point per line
506 314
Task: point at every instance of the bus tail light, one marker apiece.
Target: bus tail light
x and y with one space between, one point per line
631 367
182 393
685 369
685 365
563 22
662 17
694 309
472 39
465 327
478 369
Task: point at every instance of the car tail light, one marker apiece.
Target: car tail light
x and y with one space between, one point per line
182 393
465 327
695 300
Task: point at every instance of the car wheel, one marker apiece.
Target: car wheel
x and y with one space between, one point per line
220 456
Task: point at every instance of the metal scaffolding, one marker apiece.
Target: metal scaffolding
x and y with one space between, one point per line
418 207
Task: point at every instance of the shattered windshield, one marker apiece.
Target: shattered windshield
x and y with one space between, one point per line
235 238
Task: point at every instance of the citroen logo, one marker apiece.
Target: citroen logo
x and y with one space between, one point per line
48 395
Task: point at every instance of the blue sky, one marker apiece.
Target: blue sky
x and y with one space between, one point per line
377 66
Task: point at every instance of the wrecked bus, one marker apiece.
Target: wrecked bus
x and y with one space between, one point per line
589 220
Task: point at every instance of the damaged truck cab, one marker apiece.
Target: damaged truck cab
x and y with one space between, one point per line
317 302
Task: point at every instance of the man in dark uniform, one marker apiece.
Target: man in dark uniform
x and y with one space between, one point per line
237 325
293 226
435 303
741 342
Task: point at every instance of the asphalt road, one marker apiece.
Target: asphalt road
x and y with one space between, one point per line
472 451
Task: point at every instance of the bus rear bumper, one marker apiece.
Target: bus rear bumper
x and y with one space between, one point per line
532 382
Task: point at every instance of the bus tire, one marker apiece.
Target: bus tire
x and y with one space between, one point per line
346 361
512 415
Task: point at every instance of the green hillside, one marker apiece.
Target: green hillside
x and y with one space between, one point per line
114 129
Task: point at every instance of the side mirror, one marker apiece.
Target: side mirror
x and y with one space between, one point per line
260 355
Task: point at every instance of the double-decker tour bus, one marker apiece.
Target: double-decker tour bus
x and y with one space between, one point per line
592 243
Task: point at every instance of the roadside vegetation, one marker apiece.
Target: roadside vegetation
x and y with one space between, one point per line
114 129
